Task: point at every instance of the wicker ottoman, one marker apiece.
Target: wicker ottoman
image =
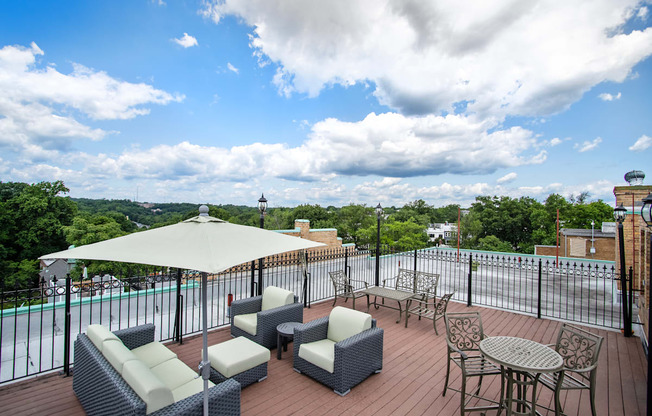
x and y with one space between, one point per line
240 359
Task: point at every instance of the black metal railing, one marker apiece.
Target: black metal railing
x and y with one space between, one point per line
38 325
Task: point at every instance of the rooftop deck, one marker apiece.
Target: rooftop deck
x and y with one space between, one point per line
414 366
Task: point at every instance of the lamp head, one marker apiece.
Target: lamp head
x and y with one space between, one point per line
646 210
619 213
379 211
262 204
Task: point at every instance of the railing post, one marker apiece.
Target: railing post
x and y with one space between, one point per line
177 314
539 290
253 278
346 261
66 330
470 282
630 301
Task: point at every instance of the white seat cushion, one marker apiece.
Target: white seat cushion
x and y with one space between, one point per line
320 353
190 388
236 355
98 334
147 386
117 354
153 354
174 373
248 322
344 323
273 297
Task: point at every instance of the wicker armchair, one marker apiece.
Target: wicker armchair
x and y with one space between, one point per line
340 350
580 350
257 318
343 288
463 335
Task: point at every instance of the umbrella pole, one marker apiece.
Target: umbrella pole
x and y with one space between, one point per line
205 366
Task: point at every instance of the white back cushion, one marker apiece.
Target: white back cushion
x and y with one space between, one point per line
153 354
344 323
98 334
147 386
117 354
273 297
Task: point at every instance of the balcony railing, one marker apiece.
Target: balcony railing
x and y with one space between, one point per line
38 325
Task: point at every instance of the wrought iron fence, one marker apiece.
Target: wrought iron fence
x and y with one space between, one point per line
38 325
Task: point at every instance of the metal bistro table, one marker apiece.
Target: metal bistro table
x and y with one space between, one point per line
385 293
521 361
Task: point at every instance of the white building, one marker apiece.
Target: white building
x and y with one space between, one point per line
442 231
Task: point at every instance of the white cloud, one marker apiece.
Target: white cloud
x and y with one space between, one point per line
642 13
643 143
500 57
232 68
609 97
40 105
186 41
510 177
587 145
555 141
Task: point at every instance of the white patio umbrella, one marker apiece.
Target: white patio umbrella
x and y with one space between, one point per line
201 243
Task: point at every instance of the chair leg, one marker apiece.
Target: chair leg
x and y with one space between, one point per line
592 393
463 395
477 391
434 323
448 370
558 411
335 300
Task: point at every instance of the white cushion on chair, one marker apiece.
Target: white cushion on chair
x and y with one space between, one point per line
248 322
147 386
98 334
174 373
190 388
344 323
116 353
273 297
153 354
320 353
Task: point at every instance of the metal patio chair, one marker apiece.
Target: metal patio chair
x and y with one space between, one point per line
343 287
463 335
580 350
434 311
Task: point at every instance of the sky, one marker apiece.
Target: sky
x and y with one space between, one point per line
326 102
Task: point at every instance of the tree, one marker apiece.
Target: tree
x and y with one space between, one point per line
32 218
351 219
88 229
493 243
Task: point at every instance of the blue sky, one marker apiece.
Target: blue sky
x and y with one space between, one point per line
326 103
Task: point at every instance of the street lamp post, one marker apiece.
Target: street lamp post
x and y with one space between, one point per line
379 213
262 208
619 215
592 238
646 213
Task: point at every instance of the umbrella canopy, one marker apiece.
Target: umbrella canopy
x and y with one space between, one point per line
202 243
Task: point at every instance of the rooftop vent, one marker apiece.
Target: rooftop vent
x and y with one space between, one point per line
635 177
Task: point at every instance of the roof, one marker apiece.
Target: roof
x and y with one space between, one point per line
582 232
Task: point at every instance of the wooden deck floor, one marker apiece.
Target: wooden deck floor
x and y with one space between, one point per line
411 382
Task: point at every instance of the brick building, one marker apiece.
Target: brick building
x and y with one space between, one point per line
327 236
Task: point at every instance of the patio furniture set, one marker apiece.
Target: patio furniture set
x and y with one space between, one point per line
522 364
570 364
127 372
416 289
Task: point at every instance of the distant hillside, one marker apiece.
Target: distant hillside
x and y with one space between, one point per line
160 213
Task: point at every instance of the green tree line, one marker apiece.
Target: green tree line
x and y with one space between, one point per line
37 219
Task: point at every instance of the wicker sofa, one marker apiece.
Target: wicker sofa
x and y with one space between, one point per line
148 379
